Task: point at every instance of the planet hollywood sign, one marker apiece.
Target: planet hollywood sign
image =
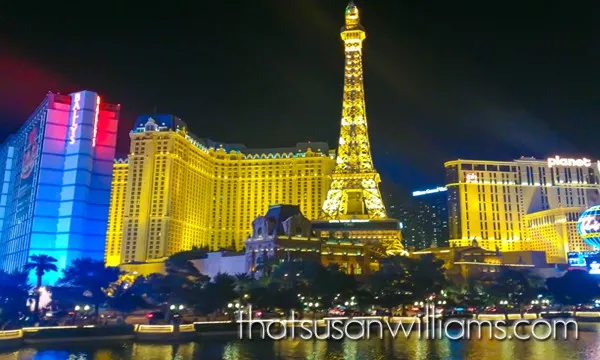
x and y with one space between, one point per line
558 161
588 226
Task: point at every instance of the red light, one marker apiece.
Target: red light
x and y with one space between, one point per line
96 113
149 316
258 313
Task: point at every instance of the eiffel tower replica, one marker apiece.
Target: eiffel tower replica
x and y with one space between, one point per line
354 208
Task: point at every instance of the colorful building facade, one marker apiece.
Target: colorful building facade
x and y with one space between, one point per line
176 191
57 169
525 204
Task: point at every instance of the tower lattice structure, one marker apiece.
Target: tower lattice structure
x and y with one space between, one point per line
354 190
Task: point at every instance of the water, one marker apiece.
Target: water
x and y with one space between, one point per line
587 347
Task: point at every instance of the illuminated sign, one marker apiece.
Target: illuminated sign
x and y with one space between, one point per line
429 191
96 121
557 161
471 177
594 268
588 226
76 107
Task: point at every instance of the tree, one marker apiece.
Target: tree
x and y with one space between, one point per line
392 284
182 260
41 264
13 296
512 285
92 278
126 300
427 276
573 288
217 293
244 283
265 265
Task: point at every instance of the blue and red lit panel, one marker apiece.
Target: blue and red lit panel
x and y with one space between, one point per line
73 196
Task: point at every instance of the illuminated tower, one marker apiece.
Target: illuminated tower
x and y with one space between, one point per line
354 190
353 212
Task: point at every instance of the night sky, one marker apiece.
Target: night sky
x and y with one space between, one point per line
485 80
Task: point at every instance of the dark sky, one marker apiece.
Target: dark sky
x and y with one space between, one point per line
487 80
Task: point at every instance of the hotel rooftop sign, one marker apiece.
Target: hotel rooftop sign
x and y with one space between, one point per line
429 191
558 161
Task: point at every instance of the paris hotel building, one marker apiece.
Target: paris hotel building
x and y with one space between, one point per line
525 204
175 191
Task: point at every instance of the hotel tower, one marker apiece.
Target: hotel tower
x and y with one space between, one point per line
56 172
175 191
525 204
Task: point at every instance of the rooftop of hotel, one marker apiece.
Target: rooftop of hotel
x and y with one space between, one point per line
166 122
522 159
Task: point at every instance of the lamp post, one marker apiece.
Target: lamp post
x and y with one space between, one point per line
174 315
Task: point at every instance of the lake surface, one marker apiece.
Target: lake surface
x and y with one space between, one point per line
587 347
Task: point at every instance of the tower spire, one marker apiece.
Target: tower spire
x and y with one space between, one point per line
354 190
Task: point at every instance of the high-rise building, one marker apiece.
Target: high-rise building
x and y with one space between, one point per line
176 191
525 204
56 174
354 209
425 219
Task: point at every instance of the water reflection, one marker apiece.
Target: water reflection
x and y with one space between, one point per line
587 347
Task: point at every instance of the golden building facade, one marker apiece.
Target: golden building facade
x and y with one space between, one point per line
555 232
498 203
181 192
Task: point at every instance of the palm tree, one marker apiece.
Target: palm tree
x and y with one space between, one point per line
243 283
41 264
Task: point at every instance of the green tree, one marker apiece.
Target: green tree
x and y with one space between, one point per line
392 285
126 300
427 274
40 264
92 278
266 265
218 293
512 285
244 283
13 296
